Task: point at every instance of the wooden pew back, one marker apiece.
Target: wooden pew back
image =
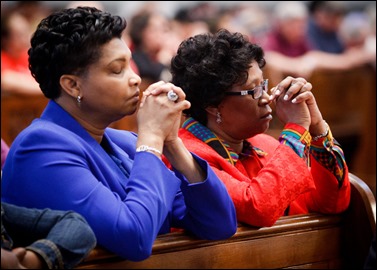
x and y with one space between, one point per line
302 241
17 112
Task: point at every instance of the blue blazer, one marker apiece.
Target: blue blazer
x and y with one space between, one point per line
128 198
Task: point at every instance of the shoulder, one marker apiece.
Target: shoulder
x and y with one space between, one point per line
121 137
118 133
125 140
188 138
265 142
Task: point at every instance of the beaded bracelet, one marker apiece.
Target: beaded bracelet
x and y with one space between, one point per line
143 148
324 134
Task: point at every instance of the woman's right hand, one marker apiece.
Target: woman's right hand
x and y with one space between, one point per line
158 117
290 105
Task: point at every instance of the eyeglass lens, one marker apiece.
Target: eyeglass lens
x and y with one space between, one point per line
258 91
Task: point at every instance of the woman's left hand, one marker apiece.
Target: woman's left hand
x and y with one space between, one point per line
299 90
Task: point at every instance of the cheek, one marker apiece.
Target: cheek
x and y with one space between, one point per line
240 114
244 108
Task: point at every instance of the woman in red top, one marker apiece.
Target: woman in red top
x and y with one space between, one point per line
15 42
303 171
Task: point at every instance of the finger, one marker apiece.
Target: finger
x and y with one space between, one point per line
293 89
146 93
154 88
184 105
165 88
303 97
275 92
171 88
282 87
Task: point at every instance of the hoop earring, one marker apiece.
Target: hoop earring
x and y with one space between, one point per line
218 117
78 100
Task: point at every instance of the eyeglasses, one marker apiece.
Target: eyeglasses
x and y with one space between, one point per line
256 92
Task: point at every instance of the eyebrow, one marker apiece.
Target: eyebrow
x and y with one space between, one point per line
253 82
120 59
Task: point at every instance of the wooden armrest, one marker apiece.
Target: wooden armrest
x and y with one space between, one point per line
363 199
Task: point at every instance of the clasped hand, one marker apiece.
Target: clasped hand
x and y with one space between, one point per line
157 115
295 103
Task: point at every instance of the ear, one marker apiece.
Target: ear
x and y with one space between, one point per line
70 85
212 110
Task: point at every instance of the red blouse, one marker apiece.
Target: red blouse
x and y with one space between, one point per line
264 186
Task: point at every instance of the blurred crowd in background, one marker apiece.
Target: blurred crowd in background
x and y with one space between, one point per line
298 36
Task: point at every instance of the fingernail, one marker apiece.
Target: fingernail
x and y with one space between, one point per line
286 97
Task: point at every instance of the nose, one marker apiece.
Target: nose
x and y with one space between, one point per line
135 80
264 99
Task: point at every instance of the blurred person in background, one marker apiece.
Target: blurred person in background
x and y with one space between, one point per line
289 26
189 21
4 152
323 26
15 41
358 32
289 51
33 11
153 43
250 19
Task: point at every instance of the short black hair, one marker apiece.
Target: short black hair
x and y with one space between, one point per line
207 65
67 42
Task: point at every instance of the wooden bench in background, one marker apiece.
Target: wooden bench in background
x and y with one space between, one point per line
312 241
18 111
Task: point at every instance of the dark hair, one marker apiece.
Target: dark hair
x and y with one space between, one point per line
67 42
332 7
139 22
207 65
5 31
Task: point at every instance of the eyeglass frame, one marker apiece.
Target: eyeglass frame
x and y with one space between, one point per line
263 86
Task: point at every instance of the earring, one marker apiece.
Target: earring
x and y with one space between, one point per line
218 117
78 100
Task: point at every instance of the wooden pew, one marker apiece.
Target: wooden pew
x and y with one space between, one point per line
312 241
17 112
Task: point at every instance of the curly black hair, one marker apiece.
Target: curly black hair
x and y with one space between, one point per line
207 65
68 42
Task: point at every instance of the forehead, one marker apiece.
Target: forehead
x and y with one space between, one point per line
115 49
113 52
255 76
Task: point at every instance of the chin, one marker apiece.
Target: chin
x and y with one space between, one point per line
267 127
131 109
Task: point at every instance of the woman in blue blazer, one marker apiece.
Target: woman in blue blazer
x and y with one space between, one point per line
69 159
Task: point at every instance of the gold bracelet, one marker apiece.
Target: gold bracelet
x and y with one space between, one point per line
143 148
324 134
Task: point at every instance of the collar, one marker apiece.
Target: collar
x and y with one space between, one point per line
220 146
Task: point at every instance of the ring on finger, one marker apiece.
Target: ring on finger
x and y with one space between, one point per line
172 96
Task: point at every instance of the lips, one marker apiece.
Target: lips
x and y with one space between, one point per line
267 115
137 94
